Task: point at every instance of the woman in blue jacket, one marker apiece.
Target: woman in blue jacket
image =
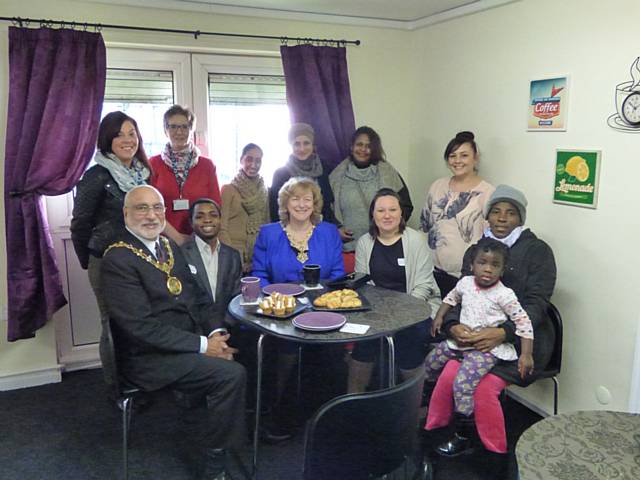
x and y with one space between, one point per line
301 237
281 251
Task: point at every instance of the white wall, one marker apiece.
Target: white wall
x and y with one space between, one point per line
375 68
473 73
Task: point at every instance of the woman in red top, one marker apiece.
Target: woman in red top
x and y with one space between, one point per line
181 174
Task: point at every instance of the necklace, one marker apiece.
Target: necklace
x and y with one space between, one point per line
301 246
174 285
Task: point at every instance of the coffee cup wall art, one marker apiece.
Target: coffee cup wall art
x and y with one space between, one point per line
627 99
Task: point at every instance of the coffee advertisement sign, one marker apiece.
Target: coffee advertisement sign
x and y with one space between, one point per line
548 104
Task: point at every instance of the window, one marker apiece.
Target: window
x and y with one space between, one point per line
247 109
143 95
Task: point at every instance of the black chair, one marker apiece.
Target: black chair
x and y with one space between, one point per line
364 435
122 392
553 368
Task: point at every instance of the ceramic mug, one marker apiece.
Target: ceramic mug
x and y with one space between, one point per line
250 288
311 274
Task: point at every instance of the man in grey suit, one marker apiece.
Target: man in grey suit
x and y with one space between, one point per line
216 266
166 333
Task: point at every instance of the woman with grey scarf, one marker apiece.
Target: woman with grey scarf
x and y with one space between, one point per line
121 164
303 162
354 183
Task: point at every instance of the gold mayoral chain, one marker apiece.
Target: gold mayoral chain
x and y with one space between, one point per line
173 283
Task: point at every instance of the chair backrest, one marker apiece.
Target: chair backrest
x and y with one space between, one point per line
109 359
363 435
555 363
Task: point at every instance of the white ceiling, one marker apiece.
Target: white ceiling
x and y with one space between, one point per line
404 14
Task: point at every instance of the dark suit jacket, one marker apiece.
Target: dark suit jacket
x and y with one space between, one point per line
155 332
229 273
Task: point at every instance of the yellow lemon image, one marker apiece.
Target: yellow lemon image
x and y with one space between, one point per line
582 171
572 165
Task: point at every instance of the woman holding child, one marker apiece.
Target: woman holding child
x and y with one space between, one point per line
530 271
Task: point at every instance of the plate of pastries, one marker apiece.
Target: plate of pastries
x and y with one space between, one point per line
343 300
278 305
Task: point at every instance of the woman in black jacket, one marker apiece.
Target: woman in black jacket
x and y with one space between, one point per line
121 164
531 273
303 162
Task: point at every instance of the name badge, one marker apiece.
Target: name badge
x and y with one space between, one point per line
193 269
180 204
401 262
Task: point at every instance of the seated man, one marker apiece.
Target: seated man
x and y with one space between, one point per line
217 266
166 331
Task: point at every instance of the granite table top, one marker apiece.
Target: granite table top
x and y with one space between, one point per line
391 311
583 445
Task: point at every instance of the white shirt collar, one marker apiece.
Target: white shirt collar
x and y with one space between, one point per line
150 244
204 246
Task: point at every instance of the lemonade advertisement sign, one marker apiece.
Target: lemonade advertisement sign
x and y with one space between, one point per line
576 179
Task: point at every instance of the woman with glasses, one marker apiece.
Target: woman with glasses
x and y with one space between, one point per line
181 174
121 164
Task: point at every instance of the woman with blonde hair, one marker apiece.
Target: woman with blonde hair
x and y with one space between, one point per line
282 250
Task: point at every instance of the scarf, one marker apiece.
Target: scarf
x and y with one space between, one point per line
311 167
181 161
125 177
253 194
510 239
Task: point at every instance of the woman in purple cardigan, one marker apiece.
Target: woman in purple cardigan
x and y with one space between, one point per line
281 251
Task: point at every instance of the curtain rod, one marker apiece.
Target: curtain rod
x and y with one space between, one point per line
24 22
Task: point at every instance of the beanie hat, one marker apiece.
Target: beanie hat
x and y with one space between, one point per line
506 193
298 129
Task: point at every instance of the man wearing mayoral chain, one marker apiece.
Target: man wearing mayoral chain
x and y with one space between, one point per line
167 333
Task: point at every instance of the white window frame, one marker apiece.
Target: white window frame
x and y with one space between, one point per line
60 208
203 64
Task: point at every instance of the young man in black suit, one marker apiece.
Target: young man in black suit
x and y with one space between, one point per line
216 266
167 333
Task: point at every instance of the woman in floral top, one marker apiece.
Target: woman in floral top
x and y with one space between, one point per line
452 215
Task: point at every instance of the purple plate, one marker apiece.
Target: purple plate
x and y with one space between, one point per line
283 288
319 321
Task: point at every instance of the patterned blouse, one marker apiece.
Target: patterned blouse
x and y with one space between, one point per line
453 222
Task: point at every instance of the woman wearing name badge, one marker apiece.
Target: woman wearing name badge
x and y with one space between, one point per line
121 164
396 257
181 174
452 216
355 181
245 206
281 251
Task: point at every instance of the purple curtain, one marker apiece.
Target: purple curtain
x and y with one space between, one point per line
56 89
318 93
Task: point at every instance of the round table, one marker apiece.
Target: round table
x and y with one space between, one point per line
390 312
584 445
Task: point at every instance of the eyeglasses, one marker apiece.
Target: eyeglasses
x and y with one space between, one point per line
174 127
143 209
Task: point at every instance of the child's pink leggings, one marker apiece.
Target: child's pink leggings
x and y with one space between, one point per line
488 411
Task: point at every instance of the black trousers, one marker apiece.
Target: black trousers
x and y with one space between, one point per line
218 419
